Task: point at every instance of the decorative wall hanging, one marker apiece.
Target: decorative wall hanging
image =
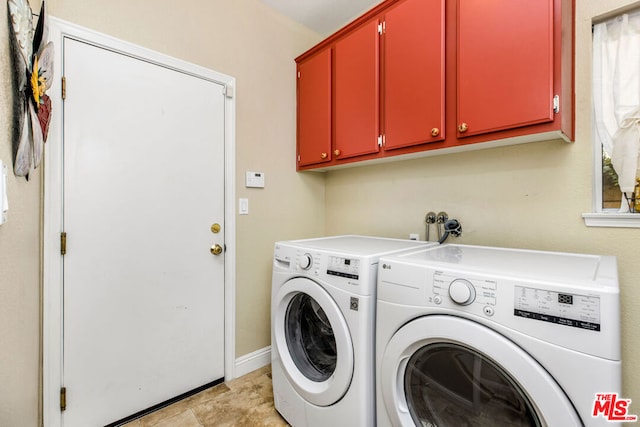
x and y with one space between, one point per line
32 59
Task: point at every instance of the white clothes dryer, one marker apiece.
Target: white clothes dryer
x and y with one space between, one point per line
480 336
322 323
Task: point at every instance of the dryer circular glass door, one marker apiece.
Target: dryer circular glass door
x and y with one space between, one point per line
313 342
448 371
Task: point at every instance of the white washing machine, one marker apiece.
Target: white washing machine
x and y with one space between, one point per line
322 323
479 336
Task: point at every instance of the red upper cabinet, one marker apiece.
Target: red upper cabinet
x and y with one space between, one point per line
505 57
419 77
356 109
314 109
413 73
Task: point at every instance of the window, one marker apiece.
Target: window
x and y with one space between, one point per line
616 121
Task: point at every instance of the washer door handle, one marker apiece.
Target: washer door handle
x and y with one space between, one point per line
402 402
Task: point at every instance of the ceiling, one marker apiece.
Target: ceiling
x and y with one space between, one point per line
322 16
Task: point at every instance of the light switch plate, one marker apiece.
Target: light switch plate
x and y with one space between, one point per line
243 206
254 179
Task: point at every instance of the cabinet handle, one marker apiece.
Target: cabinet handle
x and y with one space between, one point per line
336 152
435 132
463 127
323 156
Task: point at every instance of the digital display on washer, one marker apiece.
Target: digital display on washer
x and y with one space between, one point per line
344 267
578 311
565 299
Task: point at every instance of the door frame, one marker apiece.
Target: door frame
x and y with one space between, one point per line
52 199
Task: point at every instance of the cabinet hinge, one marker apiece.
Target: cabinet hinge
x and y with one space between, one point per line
63 398
64 88
556 104
63 243
380 140
298 74
380 28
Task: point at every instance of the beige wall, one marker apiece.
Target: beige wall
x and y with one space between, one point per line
529 196
242 38
19 273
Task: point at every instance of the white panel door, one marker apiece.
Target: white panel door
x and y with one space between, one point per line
143 184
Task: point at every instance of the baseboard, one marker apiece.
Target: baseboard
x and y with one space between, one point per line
252 361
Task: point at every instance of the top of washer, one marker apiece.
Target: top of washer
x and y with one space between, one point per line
518 262
366 246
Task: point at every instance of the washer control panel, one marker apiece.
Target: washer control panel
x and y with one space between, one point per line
579 311
462 291
319 263
305 261
465 291
343 267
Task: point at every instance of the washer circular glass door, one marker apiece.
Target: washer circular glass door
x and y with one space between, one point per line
448 371
313 342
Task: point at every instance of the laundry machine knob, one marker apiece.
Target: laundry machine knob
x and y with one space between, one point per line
305 261
462 292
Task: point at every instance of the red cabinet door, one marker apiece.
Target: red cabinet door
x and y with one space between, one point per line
505 64
357 92
314 109
414 73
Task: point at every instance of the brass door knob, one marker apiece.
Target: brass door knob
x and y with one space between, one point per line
435 132
336 152
323 156
463 127
216 249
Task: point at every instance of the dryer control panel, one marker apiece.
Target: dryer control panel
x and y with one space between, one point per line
480 293
579 311
564 299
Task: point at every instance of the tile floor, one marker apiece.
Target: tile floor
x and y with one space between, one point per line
245 401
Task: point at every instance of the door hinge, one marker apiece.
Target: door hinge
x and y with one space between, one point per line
63 243
228 91
556 104
63 398
379 140
298 74
64 88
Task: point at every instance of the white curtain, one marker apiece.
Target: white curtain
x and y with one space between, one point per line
616 95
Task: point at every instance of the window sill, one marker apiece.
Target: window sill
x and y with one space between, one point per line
607 219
